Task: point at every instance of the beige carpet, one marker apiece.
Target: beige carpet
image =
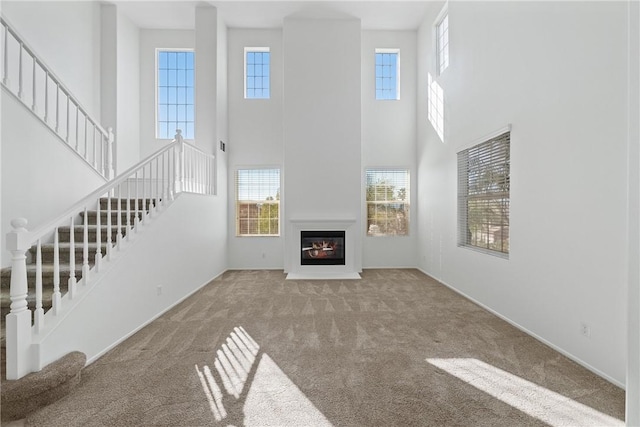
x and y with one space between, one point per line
393 349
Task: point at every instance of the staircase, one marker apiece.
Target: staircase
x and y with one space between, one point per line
39 389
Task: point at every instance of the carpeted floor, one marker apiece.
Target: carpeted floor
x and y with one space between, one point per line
393 349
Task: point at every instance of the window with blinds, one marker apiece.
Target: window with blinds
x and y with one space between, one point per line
258 202
483 196
387 198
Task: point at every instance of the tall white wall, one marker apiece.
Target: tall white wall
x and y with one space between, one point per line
41 176
322 124
255 139
389 140
562 86
47 26
150 40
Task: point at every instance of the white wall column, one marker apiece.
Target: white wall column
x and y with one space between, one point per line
206 77
633 326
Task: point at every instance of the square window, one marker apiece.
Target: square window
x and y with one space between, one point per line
258 202
387 198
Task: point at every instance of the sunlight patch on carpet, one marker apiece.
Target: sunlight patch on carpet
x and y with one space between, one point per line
248 388
530 398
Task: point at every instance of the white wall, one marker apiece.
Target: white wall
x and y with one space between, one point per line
47 26
33 186
128 94
255 139
389 140
150 40
322 125
564 92
188 238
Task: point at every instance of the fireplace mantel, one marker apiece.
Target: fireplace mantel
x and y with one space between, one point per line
297 271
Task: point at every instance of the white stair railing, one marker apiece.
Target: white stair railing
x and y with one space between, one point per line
129 201
32 82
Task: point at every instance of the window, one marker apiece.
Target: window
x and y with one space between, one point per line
258 202
388 74
174 94
442 42
483 195
436 107
256 72
387 202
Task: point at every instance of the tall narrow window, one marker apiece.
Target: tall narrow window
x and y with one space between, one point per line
388 74
175 94
436 107
387 195
257 63
258 202
483 195
442 42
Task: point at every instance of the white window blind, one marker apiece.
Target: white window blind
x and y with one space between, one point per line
483 195
258 202
387 197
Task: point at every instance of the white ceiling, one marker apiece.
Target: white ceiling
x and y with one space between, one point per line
180 14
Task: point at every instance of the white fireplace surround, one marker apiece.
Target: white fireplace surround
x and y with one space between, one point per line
297 271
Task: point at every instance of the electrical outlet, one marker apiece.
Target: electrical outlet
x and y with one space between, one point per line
585 330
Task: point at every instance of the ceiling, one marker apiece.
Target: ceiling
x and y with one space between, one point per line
180 14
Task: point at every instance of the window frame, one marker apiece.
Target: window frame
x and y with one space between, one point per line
495 157
261 49
395 51
440 49
185 133
277 201
406 203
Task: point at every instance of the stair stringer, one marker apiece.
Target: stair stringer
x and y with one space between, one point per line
182 249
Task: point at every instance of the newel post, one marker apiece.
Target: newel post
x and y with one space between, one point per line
111 147
180 169
18 321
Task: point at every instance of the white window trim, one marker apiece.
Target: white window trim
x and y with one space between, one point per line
398 69
443 12
157 74
235 200
244 72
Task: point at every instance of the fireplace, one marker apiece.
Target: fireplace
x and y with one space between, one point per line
322 247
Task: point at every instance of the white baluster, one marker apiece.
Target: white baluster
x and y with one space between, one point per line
68 129
110 148
103 155
98 239
172 173
57 108
85 138
72 262
18 321
165 183
57 296
109 224
77 124
129 212
20 93
119 222
144 195
137 218
85 250
33 78
5 77
46 97
155 202
38 315
181 160
95 163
